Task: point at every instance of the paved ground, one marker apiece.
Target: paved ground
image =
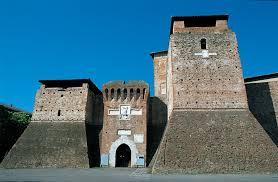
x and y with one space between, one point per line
117 175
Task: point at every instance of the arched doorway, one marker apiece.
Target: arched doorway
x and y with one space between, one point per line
115 145
123 156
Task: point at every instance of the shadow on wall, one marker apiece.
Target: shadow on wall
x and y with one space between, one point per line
12 125
93 132
93 135
261 105
157 121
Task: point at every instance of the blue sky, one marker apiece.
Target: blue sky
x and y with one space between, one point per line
111 40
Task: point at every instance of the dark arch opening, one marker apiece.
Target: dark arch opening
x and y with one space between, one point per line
123 156
112 93
137 93
131 94
125 94
203 44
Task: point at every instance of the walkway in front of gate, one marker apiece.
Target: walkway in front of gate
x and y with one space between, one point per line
118 175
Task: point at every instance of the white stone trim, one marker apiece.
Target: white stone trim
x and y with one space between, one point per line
113 112
124 132
125 116
136 112
205 54
116 144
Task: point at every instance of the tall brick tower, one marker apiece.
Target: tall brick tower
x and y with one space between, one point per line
210 128
124 133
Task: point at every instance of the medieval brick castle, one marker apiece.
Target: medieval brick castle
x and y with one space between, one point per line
204 117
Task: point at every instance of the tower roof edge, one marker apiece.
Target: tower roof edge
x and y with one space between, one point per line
152 54
195 18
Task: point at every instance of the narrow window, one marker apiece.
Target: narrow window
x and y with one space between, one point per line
59 112
203 44
112 93
125 94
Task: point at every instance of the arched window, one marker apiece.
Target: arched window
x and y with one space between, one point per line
203 44
112 93
118 93
59 112
125 94
131 93
137 93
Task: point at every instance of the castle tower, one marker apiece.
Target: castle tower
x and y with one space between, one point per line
160 73
124 133
210 129
56 136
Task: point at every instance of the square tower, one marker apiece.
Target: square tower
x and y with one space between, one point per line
124 133
204 69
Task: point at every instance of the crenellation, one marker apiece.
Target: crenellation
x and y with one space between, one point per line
116 92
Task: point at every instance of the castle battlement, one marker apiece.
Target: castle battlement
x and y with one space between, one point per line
119 91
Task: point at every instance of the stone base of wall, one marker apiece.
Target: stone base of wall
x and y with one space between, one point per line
50 144
197 142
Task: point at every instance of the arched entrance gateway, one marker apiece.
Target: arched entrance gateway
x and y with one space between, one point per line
123 156
123 145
